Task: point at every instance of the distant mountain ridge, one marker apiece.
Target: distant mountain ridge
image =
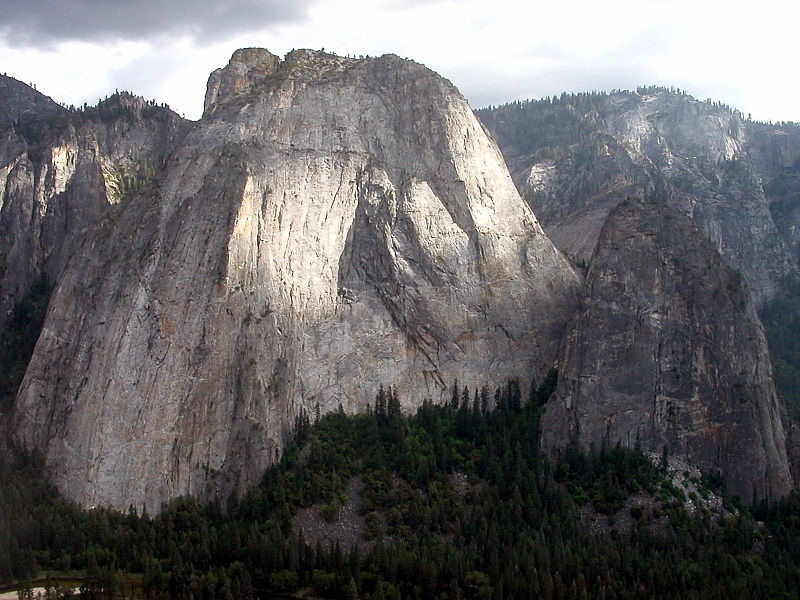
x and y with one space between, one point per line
575 156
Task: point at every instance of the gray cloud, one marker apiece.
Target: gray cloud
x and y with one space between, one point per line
43 22
411 4
627 65
484 87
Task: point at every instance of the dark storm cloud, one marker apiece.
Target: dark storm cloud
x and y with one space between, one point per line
41 22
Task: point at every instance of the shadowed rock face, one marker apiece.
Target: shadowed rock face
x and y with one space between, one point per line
61 172
329 225
20 203
666 351
17 98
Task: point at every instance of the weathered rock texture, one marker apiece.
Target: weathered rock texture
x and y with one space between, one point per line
666 351
574 157
60 173
332 224
247 68
329 225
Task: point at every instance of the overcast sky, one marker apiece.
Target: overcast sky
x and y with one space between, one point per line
495 51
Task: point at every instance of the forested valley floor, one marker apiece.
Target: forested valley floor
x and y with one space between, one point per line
455 501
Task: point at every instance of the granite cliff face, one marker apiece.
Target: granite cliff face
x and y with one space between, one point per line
666 352
574 157
60 173
329 225
333 224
